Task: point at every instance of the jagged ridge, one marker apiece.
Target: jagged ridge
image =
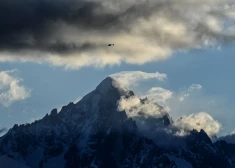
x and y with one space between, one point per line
93 133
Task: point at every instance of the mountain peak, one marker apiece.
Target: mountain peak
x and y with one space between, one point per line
95 133
109 84
106 84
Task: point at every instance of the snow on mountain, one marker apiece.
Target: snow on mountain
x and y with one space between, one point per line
8 162
179 161
96 132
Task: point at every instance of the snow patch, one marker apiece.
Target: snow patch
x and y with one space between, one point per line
93 165
181 163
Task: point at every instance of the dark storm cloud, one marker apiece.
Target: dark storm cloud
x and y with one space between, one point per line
25 20
142 30
30 24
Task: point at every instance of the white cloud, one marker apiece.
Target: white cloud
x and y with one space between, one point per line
198 121
140 111
128 78
182 97
164 96
134 107
10 88
146 114
194 87
186 93
159 94
170 101
189 100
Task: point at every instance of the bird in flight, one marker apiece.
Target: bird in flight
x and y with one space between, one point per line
111 45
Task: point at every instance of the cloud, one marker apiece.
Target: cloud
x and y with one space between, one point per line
143 109
194 87
198 121
155 123
186 93
10 88
153 115
171 103
150 118
192 100
135 107
75 33
159 94
128 78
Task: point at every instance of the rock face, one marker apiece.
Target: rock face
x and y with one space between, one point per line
93 133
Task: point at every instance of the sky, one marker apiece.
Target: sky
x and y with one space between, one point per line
180 53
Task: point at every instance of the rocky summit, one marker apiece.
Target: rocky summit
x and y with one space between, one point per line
95 133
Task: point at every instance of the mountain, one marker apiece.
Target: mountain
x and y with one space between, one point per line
230 138
95 133
2 131
8 162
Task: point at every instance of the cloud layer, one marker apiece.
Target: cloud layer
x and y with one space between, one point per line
199 121
171 100
10 88
75 33
135 107
132 78
159 94
143 109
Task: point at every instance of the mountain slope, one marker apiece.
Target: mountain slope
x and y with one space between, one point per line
95 133
8 162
